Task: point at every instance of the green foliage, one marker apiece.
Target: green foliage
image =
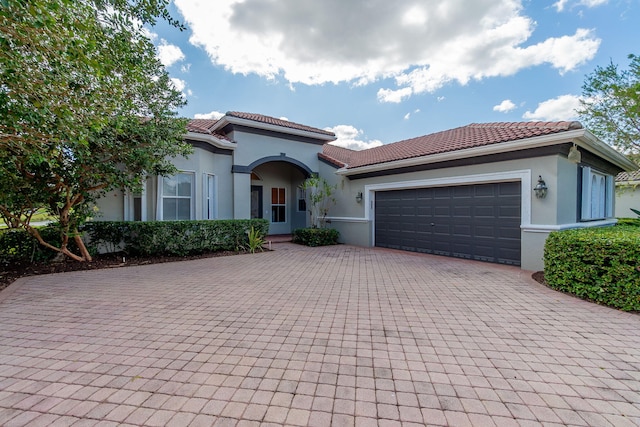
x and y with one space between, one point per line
598 264
320 199
176 238
17 247
85 108
316 236
611 105
256 240
634 222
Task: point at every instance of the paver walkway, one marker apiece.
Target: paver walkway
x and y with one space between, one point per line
301 336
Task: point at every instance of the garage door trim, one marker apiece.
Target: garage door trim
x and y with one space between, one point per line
524 176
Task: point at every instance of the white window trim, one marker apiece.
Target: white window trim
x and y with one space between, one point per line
586 200
159 213
209 201
285 204
300 192
129 214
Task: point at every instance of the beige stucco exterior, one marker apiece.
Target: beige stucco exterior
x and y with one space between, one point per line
256 158
627 198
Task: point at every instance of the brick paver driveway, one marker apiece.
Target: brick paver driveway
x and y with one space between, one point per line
299 336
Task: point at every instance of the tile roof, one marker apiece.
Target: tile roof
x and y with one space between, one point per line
277 122
628 176
470 136
339 156
204 126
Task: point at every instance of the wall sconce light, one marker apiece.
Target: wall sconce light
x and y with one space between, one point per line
541 188
574 155
359 197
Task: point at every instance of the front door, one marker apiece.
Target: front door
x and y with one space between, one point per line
256 201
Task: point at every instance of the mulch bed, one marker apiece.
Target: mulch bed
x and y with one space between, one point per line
12 272
538 276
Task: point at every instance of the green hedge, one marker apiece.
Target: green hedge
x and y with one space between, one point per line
19 247
177 238
629 221
316 236
598 264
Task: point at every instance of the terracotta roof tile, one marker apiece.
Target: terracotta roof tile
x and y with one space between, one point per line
339 156
204 126
277 122
470 136
628 176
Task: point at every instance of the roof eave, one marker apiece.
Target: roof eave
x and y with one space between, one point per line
225 120
580 137
211 139
595 145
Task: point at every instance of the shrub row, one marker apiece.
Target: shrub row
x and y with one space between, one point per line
19 247
316 236
177 238
599 264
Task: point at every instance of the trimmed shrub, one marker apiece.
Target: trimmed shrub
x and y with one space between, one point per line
316 236
176 238
598 264
635 222
19 247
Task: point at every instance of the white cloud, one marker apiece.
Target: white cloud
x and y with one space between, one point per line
557 109
420 44
505 106
395 96
409 114
561 4
169 54
350 137
214 115
179 84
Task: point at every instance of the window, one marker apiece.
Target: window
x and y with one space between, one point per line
209 211
278 205
597 195
176 197
302 200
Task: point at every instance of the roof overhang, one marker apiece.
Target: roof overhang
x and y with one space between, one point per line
230 120
212 140
580 137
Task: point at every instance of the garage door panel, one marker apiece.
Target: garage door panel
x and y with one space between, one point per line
480 221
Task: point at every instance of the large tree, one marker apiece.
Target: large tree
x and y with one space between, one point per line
611 106
85 108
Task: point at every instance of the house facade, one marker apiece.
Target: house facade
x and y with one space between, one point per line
627 194
466 192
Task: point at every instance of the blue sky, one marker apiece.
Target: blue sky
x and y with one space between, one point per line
378 71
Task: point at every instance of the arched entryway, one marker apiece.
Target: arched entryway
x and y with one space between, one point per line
276 193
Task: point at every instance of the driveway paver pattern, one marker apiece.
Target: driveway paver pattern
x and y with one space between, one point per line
341 335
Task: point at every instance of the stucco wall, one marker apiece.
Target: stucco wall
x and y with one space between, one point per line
201 163
110 207
627 198
539 216
252 147
281 175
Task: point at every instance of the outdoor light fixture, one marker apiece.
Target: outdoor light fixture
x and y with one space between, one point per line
574 155
359 197
541 188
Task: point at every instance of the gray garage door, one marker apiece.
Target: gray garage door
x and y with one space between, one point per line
480 222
